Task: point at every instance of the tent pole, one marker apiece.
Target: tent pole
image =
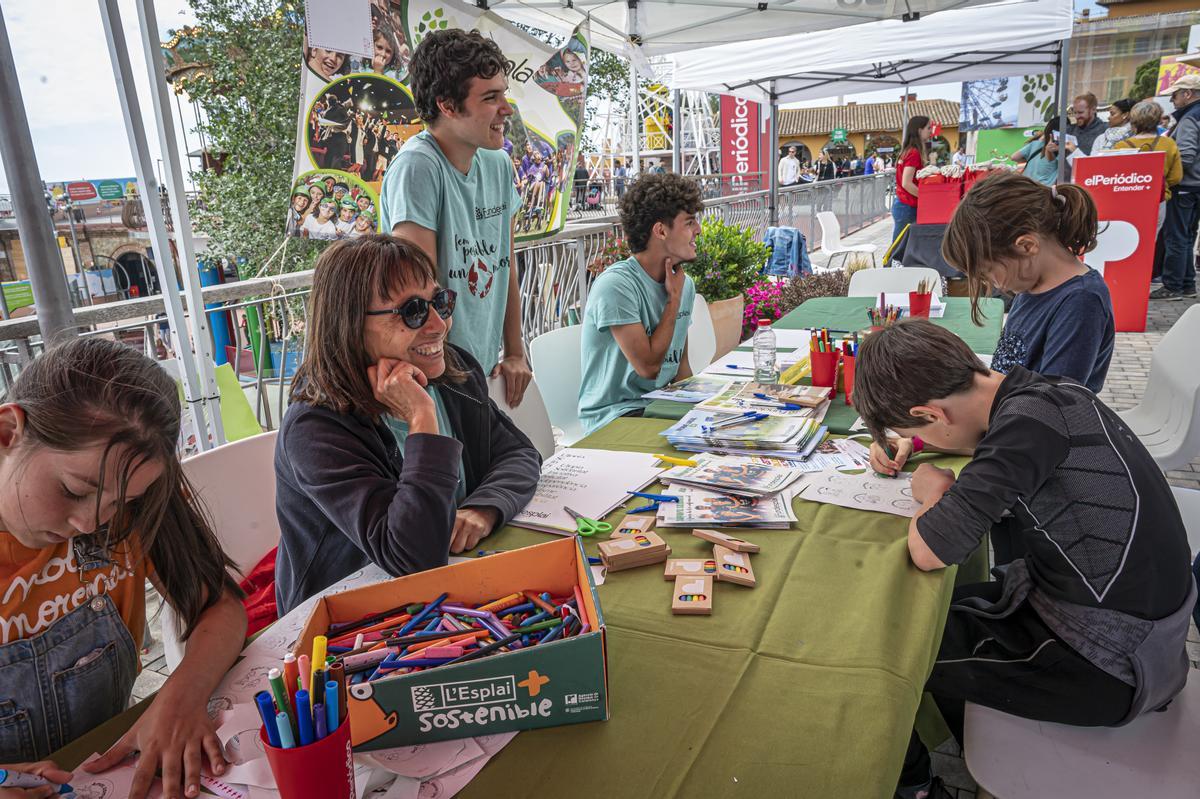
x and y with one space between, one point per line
676 134
52 302
904 112
772 171
1064 76
131 110
634 113
210 399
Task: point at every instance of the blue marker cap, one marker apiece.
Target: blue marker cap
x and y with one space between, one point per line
304 714
266 709
331 705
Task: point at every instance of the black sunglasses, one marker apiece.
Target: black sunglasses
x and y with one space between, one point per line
415 310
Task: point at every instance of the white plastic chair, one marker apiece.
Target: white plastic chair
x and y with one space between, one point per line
702 337
895 280
831 241
530 416
1154 755
1167 420
1188 500
236 483
557 366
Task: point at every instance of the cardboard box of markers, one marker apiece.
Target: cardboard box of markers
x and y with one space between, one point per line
564 681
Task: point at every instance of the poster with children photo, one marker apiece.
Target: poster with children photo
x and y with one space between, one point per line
332 205
357 111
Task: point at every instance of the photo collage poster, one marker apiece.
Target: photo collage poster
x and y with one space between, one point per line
356 112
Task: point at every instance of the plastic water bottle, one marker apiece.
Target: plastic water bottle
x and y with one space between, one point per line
764 353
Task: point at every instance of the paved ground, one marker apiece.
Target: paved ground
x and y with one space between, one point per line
1124 387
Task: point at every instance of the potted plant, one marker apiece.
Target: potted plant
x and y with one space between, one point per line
729 260
764 300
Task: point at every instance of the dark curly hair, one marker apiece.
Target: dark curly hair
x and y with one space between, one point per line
653 199
443 65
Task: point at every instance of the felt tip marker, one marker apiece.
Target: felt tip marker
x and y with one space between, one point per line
318 657
20 779
284 728
331 705
305 666
676 461
320 722
266 709
275 680
304 717
291 678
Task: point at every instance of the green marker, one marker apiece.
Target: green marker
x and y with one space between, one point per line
541 625
275 679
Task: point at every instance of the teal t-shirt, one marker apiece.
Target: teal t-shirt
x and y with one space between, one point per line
622 295
471 215
1043 170
399 429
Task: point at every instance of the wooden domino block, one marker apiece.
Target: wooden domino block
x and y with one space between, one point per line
632 525
690 567
693 596
727 541
733 567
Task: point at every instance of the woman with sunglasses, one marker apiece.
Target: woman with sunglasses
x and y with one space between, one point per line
390 451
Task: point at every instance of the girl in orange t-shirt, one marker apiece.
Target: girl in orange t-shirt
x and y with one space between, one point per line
92 504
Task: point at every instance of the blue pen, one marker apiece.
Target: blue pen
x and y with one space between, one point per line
595 561
20 779
738 366
266 709
331 705
787 406
304 715
748 416
284 728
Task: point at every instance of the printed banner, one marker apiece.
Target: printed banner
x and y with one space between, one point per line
1171 70
1127 190
741 144
356 113
990 103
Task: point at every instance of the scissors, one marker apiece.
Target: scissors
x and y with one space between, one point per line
585 526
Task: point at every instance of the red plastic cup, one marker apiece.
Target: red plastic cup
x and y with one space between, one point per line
848 378
321 770
824 369
918 304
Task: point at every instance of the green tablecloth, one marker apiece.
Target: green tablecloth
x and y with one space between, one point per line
849 313
806 685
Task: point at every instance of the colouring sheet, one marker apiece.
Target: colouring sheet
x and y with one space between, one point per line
426 760
863 492
116 783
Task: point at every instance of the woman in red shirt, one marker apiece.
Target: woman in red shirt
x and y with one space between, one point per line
912 159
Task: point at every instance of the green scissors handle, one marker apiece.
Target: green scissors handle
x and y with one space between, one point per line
585 526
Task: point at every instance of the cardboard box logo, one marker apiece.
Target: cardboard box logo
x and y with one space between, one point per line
446 695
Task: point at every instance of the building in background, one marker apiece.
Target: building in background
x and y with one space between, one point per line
856 130
1106 51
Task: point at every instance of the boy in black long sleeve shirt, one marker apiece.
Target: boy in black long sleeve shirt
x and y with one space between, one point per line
1088 624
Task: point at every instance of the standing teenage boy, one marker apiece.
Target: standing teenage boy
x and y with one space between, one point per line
1087 626
450 191
638 310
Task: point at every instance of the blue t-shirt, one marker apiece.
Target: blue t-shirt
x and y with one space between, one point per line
471 215
1067 331
623 295
399 429
1038 167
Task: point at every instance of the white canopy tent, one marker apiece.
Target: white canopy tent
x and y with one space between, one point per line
659 27
991 41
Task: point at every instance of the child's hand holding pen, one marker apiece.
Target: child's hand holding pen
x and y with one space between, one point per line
882 460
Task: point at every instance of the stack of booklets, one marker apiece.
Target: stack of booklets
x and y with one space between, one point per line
775 436
696 388
733 474
700 508
775 399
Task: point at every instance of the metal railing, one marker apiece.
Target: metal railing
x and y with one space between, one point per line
266 317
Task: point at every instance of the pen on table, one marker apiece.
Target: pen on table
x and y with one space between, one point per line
676 461
769 400
10 778
655 497
749 417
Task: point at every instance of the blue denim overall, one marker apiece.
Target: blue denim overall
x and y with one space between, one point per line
68 679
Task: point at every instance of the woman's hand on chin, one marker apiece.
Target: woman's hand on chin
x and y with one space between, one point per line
400 387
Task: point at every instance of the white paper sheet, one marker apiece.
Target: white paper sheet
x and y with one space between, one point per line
116 783
340 25
448 784
863 492
423 761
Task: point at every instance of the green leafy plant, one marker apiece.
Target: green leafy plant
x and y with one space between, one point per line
729 260
248 90
615 249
